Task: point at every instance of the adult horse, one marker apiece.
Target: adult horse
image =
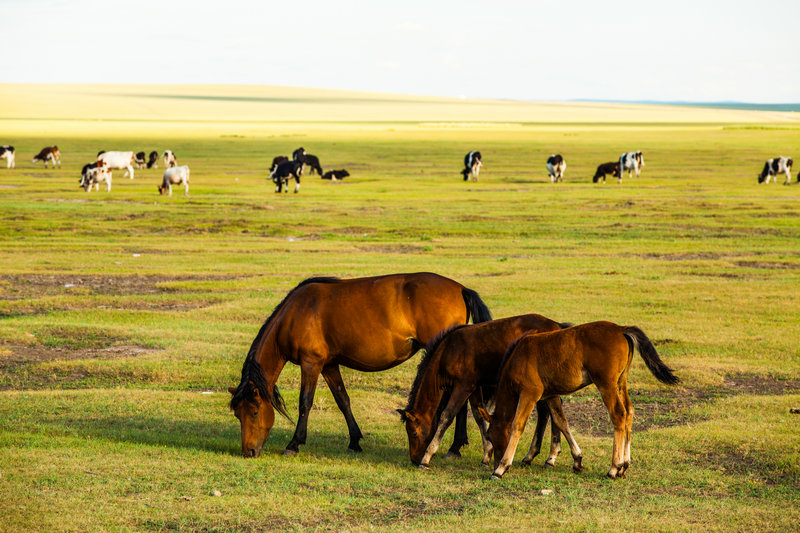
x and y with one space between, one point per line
546 365
461 363
368 324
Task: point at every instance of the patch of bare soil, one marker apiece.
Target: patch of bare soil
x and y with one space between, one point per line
26 286
769 265
26 354
666 408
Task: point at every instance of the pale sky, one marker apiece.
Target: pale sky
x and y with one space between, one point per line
680 50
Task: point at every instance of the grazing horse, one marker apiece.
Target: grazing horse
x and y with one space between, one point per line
775 166
283 171
49 153
546 365
632 162
472 165
556 167
368 324
607 168
462 363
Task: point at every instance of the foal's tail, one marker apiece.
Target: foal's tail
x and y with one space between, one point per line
476 309
639 341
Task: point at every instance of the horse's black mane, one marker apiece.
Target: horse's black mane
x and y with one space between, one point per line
251 369
424 362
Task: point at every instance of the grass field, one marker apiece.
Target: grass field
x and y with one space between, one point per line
124 316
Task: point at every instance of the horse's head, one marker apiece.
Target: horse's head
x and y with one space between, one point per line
420 434
256 416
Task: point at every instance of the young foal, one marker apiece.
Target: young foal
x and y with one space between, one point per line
457 364
545 365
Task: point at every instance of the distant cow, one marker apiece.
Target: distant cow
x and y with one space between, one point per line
297 154
49 153
277 160
632 162
556 167
152 160
169 159
312 161
93 174
775 166
335 175
139 159
117 161
175 176
284 171
607 168
472 165
7 152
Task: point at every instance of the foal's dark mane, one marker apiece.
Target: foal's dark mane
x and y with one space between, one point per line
251 369
425 361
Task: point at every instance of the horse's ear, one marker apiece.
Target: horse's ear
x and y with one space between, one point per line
484 414
232 390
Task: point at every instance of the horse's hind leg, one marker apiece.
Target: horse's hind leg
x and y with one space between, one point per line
612 397
542 415
308 384
475 401
560 422
460 439
333 378
626 456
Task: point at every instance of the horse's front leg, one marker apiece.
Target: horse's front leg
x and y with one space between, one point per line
542 417
333 378
309 374
460 438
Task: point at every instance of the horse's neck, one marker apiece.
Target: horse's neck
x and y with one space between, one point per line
429 393
270 361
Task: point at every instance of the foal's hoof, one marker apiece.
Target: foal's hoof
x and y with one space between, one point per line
526 461
494 477
548 464
577 469
423 467
289 453
453 455
611 474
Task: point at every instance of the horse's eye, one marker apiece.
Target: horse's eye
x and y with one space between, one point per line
255 413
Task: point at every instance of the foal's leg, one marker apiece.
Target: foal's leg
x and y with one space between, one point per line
308 384
475 401
460 438
542 415
626 456
333 378
456 403
560 421
525 405
616 410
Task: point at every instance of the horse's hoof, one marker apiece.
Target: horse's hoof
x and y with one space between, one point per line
526 462
577 469
484 463
494 477
423 467
548 465
289 453
453 455
357 449
611 475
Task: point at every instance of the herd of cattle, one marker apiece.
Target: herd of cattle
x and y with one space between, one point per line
284 169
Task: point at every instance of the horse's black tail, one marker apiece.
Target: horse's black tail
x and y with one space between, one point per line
639 341
476 309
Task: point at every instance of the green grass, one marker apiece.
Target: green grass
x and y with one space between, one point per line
104 424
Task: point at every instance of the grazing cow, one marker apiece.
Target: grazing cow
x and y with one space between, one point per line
93 174
7 152
775 166
297 154
632 162
310 160
169 159
139 159
284 171
607 168
152 160
49 153
556 167
472 165
335 175
277 160
175 176
117 161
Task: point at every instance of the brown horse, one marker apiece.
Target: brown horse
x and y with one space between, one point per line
368 324
544 365
461 363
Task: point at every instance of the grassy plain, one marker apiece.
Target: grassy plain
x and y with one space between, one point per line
125 316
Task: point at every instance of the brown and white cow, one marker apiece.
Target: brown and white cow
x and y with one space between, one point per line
118 161
93 174
169 159
49 153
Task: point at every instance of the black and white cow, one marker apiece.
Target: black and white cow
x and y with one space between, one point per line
285 170
93 174
556 167
169 159
277 160
152 160
312 161
139 159
334 175
611 167
775 166
7 152
49 153
297 154
472 165
632 162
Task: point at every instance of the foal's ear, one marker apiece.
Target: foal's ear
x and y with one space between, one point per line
232 390
484 414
